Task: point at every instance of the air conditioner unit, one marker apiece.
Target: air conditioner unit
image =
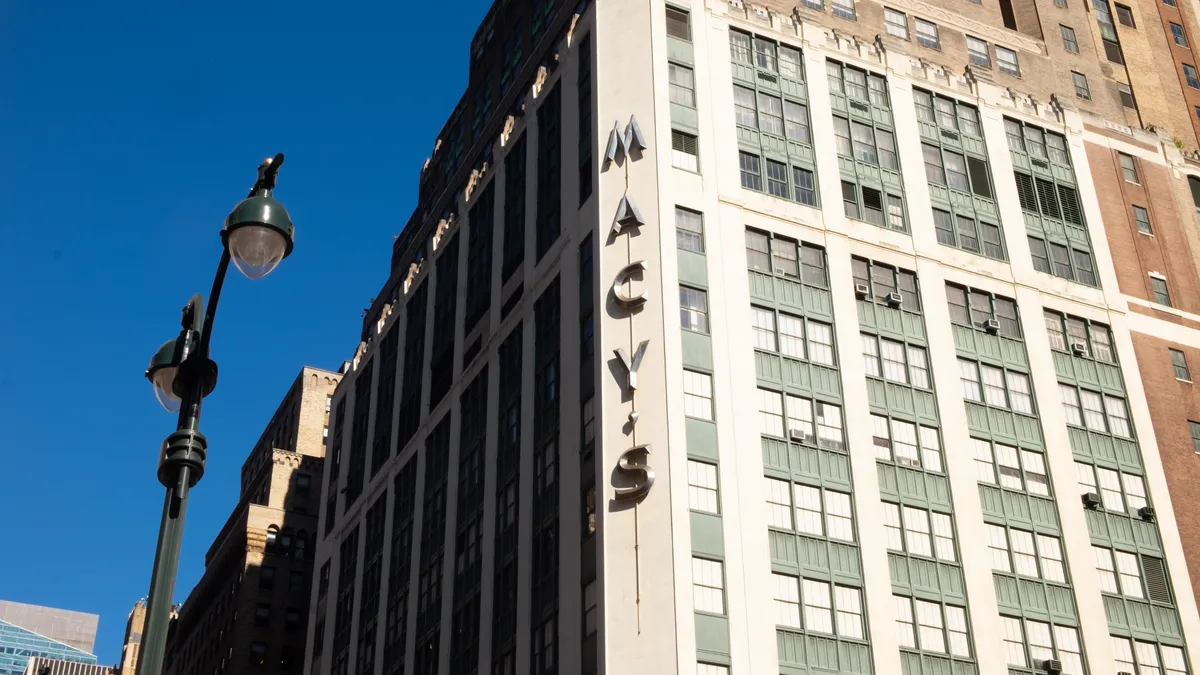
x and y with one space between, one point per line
992 326
1079 348
1146 512
1124 672
861 291
797 435
1052 666
894 299
1091 500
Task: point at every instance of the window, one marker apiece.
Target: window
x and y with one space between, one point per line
787 600
934 170
751 173
790 63
1006 60
1081 86
1179 361
850 199
795 119
739 47
1128 168
1033 642
677 24
708 585
693 309
763 325
1159 286
266 578
1126 95
978 52
1125 16
262 614
777 179
919 532
927 34
843 9
968 373
683 85
820 342
896 441
897 23
758 251
817 606
1008 467
684 152
745 110
697 395
1178 35
1194 429
258 653
770 114
291 619
803 182
943 227
1189 74
702 487
711 669
1068 38
1142 217
764 54
689 230
930 632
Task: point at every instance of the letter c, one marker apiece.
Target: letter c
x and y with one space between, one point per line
627 301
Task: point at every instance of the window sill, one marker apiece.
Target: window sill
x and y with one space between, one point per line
1146 234
1180 379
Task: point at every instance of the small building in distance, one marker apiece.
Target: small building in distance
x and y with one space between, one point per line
28 631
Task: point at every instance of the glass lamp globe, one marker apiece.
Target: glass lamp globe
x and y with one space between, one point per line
256 250
164 388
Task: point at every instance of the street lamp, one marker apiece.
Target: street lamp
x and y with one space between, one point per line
257 235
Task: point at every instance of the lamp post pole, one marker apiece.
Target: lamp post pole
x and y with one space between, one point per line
256 237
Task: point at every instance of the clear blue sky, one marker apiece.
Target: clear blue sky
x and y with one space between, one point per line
127 132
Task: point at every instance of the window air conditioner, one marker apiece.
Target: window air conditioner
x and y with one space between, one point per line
992 326
1052 666
1091 500
861 291
1079 348
1146 512
894 299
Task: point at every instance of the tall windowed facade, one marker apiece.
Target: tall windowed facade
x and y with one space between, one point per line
899 256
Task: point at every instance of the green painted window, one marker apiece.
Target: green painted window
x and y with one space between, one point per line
771 112
872 188
1049 197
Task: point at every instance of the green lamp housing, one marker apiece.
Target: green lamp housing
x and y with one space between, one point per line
258 234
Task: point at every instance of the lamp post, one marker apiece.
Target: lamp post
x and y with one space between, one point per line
257 235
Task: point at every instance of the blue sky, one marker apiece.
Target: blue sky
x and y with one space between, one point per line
129 131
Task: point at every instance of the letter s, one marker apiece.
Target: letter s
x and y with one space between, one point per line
633 465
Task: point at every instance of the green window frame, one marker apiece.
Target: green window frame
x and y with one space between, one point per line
771 112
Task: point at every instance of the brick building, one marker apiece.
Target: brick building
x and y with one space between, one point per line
249 610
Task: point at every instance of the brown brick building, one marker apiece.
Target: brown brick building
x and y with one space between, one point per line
249 610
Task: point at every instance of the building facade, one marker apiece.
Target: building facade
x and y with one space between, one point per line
133 638
736 337
248 612
28 631
41 665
